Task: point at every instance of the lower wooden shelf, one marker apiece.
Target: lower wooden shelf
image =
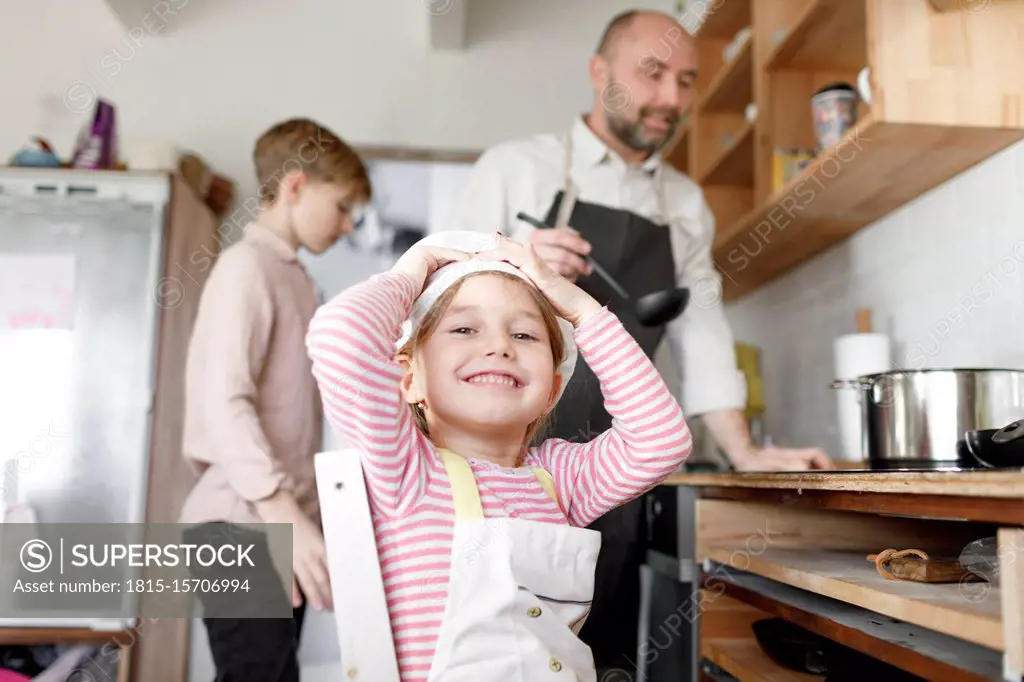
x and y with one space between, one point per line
914 649
875 169
32 636
961 5
971 611
745 660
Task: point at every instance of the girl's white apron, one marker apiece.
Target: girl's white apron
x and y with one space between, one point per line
519 590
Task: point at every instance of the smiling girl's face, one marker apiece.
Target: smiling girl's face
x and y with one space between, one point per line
488 364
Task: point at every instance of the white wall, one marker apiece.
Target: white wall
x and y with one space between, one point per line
446 180
941 276
213 75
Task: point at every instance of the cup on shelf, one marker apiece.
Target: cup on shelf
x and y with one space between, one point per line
750 113
730 50
864 84
834 109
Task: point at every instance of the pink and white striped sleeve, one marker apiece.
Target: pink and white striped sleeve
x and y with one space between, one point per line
351 344
649 438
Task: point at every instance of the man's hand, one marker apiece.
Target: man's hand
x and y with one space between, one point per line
560 248
309 556
782 459
729 429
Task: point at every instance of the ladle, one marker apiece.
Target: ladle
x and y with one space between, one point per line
652 310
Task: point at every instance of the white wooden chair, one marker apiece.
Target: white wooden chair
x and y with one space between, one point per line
360 610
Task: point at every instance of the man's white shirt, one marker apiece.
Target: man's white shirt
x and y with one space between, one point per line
525 175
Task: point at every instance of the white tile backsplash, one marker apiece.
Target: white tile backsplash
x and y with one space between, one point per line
943 276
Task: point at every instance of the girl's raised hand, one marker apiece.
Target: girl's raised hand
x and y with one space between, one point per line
420 261
569 300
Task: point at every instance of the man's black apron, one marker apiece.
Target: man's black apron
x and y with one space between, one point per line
638 254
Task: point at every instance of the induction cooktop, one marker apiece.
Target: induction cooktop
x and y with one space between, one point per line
890 470
935 468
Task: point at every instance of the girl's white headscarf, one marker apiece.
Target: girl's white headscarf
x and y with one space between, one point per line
439 282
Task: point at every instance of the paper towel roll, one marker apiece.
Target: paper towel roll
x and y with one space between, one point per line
859 354
856 355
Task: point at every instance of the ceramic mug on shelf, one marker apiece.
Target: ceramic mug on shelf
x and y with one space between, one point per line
834 108
864 84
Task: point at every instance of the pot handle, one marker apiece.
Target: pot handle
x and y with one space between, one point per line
851 383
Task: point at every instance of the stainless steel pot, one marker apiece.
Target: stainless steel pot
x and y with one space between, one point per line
916 418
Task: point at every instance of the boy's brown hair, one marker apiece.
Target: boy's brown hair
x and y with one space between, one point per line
304 145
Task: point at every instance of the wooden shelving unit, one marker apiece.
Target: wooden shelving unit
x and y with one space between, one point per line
848 577
731 166
933 114
819 38
794 547
913 648
726 640
730 91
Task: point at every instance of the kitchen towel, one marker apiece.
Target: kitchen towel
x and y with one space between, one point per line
856 355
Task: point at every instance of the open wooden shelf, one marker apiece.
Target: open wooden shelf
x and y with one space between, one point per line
962 5
950 609
49 635
735 166
876 169
731 90
828 35
727 639
917 650
746 661
724 19
933 115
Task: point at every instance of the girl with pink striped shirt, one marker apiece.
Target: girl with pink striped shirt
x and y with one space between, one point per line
440 372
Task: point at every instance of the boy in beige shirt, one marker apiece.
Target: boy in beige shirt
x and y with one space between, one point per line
253 417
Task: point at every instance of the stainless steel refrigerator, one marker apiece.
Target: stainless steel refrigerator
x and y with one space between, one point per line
80 263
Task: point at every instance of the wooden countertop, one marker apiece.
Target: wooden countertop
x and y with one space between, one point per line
1002 484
